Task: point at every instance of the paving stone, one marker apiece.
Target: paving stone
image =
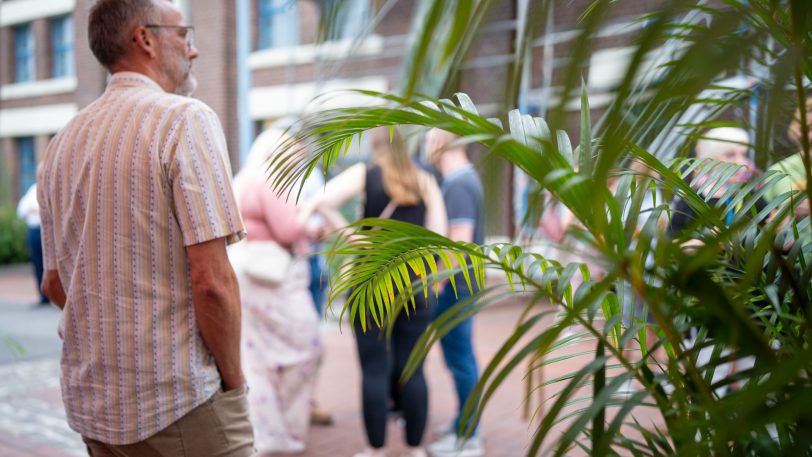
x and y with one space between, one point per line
32 419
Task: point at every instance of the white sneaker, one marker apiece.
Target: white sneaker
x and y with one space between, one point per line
443 430
369 452
418 452
449 445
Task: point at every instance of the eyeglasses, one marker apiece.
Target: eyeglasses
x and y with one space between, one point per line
187 31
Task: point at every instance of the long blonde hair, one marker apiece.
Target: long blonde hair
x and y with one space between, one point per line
400 175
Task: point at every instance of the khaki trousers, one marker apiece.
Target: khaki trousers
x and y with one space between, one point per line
219 427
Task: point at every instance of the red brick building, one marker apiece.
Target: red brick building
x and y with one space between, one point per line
259 61
48 73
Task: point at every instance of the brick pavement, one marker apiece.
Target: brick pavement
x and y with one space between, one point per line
32 419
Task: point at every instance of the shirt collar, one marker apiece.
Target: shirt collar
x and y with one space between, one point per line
132 79
458 171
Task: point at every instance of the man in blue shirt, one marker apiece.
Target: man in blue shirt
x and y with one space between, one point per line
462 192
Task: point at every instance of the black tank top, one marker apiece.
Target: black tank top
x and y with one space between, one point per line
376 200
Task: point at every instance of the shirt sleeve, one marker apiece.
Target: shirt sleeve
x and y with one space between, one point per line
460 205
793 169
200 177
778 187
28 203
281 217
46 222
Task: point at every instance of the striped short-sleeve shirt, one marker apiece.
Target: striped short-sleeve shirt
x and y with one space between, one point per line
134 178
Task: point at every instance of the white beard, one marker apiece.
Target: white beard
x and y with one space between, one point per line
187 87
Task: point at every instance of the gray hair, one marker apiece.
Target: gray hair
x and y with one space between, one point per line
716 141
109 23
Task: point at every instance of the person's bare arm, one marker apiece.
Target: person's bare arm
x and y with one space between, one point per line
216 297
802 210
461 232
333 219
343 187
436 217
52 288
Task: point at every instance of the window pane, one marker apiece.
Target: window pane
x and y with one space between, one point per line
356 18
28 163
350 18
62 46
23 53
278 24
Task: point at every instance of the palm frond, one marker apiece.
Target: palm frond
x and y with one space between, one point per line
745 292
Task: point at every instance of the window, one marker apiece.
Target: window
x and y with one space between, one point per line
24 53
348 18
278 25
27 161
62 47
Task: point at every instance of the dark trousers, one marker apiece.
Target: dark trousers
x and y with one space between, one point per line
35 247
458 348
318 280
383 360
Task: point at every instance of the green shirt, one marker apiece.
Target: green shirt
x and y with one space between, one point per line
793 167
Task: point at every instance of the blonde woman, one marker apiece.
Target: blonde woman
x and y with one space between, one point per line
411 194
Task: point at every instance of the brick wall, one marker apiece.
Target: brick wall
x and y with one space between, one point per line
398 20
216 72
42 48
253 14
92 77
568 12
309 14
486 86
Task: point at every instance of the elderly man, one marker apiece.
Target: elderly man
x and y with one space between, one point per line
137 209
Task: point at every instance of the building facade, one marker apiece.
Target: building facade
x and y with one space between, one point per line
39 85
47 72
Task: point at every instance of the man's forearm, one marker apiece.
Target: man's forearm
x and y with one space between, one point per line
217 307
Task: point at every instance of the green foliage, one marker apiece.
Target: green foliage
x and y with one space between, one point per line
17 350
12 236
742 295
5 186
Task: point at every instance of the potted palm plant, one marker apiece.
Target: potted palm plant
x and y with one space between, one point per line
742 295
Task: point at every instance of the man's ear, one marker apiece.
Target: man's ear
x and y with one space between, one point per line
143 40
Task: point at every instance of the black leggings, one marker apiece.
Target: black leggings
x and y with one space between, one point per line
382 361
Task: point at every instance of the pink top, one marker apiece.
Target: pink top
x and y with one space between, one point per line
267 216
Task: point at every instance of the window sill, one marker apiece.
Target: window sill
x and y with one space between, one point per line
272 102
35 120
21 11
309 53
38 88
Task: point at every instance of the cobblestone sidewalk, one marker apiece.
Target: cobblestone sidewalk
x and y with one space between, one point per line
32 420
